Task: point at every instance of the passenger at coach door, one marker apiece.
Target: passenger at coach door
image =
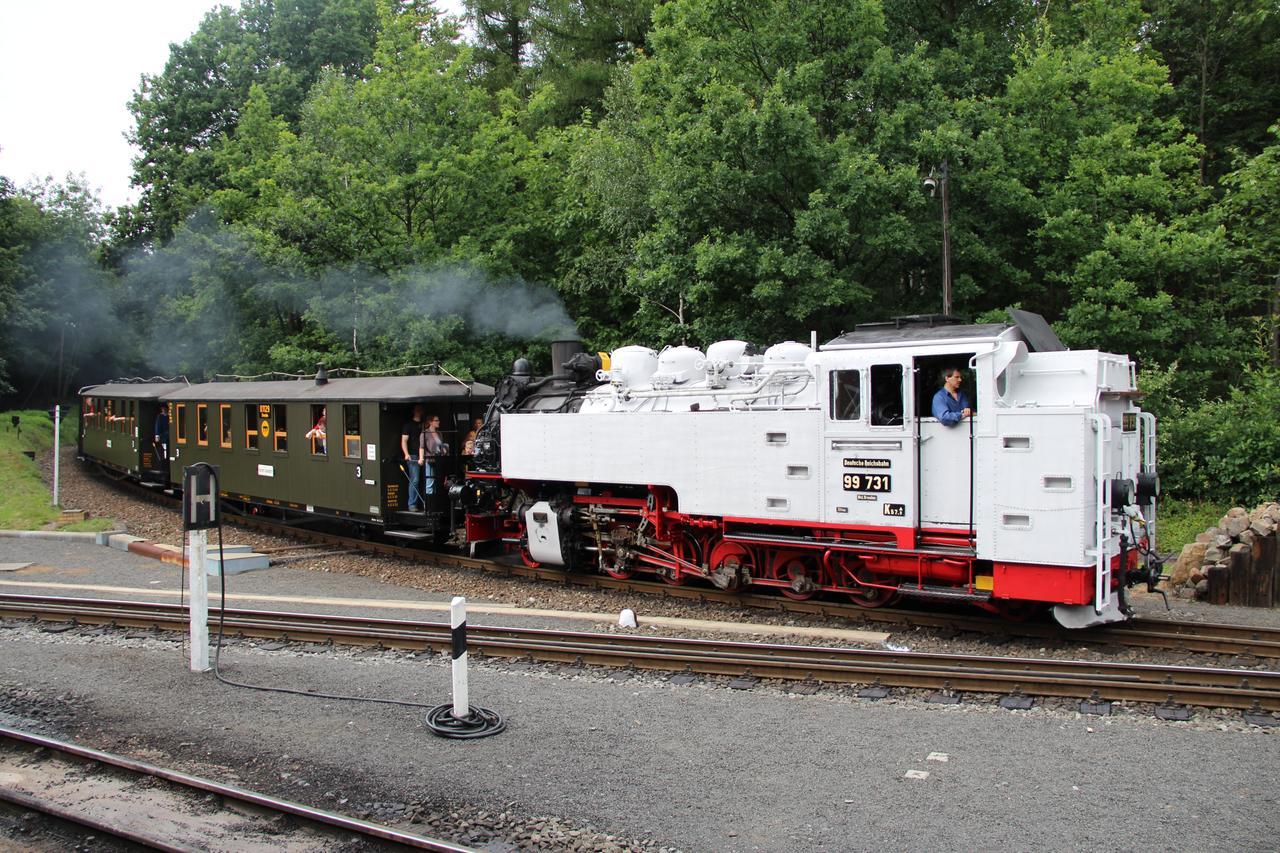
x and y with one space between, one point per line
160 432
414 456
434 446
950 405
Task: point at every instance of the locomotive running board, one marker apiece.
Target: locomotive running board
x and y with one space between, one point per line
942 593
848 545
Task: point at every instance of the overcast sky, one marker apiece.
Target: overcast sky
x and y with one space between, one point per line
67 71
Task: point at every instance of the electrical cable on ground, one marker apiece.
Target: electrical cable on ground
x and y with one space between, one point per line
217 653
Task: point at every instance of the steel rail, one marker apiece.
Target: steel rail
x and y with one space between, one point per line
1201 686
1211 638
319 819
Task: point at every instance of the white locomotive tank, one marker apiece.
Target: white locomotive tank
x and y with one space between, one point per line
678 366
631 367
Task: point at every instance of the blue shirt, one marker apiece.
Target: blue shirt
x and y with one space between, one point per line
948 409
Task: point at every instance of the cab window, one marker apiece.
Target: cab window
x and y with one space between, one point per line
886 395
928 381
846 395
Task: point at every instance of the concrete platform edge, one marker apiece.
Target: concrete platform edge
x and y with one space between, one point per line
100 538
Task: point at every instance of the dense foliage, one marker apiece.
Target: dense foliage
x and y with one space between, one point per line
371 183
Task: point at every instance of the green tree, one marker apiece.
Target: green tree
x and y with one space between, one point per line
1250 210
760 172
503 36
1077 199
1224 63
58 323
181 113
578 44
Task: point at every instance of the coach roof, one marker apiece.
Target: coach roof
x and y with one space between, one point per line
132 390
379 388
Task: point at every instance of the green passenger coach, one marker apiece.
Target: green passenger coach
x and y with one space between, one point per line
117 427
323 447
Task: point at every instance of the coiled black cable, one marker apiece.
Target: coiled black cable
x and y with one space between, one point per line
479 722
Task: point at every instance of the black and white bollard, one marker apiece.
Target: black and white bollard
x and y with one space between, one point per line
458 637
460 719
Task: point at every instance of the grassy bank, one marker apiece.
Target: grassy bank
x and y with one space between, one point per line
1182 521
25 502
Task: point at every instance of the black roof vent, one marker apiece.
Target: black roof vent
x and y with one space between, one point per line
322 375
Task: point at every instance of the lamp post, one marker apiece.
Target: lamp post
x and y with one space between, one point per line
939 183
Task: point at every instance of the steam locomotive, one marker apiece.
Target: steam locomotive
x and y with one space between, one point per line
821 469
812 470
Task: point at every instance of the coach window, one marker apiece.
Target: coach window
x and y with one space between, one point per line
250 426
279 428
202 424
846 395
351 432
224 425
180 423
132 425
886 395
318 435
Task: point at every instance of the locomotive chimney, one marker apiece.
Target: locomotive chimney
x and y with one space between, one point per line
322 375
561 352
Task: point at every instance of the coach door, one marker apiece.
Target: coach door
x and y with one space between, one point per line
870 461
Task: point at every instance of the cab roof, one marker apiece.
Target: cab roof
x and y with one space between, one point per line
1025 326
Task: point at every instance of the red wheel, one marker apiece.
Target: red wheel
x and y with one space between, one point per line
685 549
799 571
728 563
618 564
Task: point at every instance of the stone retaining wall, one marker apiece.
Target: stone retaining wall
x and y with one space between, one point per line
1235 562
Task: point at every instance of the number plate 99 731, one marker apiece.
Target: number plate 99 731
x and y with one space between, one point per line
867 483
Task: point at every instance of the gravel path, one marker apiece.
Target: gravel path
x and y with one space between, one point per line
593 763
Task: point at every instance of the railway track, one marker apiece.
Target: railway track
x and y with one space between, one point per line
1202 637
1254 691
140 805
